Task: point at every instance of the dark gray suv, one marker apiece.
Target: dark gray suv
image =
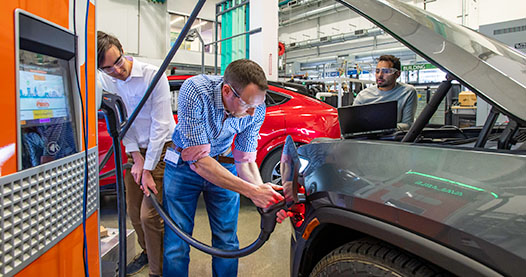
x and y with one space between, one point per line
428 201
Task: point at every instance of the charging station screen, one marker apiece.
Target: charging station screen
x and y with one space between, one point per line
48 129
42 96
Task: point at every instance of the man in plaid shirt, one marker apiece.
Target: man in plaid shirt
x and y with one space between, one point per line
212 111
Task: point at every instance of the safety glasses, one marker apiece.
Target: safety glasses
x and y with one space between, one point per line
117 64
241 102
386 71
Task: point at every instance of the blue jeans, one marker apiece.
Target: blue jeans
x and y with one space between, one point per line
182 187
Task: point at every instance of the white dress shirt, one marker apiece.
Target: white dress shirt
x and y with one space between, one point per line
155 123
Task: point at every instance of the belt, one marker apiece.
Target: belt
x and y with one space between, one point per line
219 158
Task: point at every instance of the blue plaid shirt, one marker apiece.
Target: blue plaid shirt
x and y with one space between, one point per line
201 113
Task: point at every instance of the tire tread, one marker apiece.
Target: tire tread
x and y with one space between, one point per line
372 257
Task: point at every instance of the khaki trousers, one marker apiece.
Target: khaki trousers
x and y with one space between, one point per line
147 223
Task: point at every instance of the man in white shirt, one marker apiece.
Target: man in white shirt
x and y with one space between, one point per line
145 143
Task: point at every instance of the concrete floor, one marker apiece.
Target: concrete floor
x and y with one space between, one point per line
270 260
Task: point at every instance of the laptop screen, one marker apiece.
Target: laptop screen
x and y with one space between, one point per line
368 117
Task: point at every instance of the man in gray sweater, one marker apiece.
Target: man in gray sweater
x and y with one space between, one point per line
388 89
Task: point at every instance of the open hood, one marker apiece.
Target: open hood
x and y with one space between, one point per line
491 69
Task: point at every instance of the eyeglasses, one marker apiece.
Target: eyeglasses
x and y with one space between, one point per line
386 71
117 64
241 101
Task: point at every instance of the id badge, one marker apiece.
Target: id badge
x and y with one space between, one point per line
171 156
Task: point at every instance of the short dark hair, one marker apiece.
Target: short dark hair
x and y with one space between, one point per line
243 72
104 43
390 58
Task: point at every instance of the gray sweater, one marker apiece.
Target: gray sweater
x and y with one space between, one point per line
404 94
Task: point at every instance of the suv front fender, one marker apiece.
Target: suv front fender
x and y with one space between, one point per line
360 225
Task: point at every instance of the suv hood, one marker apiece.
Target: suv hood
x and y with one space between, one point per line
491 69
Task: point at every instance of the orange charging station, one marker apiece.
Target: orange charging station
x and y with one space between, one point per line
47 116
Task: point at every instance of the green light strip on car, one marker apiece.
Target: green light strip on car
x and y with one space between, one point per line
452 182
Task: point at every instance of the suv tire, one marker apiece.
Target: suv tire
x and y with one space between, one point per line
371 257
270 167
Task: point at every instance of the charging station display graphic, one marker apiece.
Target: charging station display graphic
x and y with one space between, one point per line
41 96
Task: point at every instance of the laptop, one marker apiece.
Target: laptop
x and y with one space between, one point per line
368 119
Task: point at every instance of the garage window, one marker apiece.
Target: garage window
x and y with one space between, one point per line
192 43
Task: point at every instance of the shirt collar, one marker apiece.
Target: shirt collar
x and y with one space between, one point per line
218 97
136 70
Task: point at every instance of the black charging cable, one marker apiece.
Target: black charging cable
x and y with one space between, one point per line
115 113
268 223
118 125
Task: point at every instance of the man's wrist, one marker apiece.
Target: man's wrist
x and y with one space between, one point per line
249 189
136 155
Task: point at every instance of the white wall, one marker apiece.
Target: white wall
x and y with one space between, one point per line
478 12
120 18
448 9
491 11
264 45
344 21
185 7
152 30
295 33
193 57
140 26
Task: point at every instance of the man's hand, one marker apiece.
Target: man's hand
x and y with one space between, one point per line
147 181
265 195
138 164
282 215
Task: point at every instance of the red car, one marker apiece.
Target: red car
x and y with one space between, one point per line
290 111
